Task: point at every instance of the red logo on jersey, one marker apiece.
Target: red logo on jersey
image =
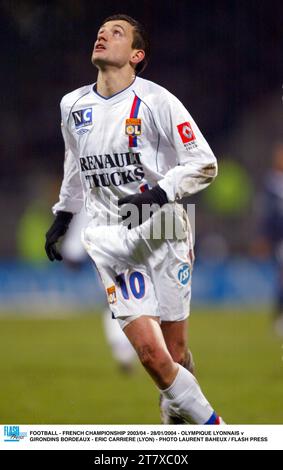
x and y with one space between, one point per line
186 132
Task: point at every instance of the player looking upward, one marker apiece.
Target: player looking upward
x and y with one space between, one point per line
129 144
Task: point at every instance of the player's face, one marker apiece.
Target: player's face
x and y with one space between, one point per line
113 46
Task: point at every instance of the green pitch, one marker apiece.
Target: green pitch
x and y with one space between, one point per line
58 371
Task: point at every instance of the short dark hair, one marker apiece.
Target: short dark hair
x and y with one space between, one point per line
140 40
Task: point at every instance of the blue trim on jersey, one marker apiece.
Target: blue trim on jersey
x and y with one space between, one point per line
135 115
212 418
115 94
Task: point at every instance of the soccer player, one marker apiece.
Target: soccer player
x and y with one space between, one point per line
133 148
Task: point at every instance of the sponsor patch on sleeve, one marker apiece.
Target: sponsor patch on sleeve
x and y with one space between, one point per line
187 134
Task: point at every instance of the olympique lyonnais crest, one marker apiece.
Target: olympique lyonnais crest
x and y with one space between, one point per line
133 126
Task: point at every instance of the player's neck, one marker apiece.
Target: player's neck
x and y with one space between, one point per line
112 81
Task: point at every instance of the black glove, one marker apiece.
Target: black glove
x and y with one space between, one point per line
57 230
156 195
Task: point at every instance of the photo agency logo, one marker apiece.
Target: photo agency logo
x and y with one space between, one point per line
13 434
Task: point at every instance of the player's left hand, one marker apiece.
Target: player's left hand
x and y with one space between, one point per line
57 230
156 196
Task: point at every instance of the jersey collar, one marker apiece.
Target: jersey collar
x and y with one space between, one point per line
117 96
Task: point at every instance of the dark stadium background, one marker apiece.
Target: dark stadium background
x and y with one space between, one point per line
223 60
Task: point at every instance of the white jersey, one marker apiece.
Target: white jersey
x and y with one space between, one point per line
127 143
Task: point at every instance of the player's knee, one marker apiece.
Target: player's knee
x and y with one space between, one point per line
153 358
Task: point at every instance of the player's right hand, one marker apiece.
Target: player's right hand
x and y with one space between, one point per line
57 230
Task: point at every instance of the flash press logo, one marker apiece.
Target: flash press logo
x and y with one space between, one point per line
13 434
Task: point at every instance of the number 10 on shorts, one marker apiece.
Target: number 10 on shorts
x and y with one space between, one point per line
135 285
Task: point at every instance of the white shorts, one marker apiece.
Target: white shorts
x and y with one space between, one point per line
142 276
